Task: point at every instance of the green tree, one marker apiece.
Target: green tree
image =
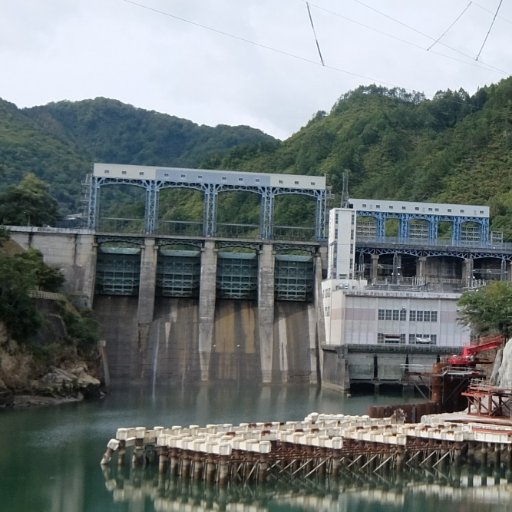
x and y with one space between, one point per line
17 310
28 203
45 278
488 309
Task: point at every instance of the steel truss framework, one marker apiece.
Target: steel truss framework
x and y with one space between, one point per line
433 221
210 197
458 252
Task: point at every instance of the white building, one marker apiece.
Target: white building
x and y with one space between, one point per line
359 315
370 317
342 244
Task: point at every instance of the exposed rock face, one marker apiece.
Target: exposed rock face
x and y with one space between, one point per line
502 372
70 382
24 383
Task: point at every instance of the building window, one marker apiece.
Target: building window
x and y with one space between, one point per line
380 337
422 316
392 314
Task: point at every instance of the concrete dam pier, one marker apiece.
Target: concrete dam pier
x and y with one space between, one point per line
195 310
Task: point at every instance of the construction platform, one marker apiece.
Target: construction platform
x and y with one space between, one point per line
321 445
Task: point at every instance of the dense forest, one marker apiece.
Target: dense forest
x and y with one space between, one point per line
394 144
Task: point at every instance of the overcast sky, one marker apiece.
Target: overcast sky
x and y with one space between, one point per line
252 62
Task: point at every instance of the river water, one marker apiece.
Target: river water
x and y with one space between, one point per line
49 458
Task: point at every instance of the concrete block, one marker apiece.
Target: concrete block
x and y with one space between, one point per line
113 444
265 447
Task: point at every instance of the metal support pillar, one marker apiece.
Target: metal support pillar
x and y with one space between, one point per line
210 209
267 213
456 230
485 233
93 203
321 216
151 210
403 232
380 218
433 228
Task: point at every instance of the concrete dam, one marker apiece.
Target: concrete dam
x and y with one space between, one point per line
207 313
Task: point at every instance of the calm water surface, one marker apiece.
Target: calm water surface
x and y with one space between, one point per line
49 458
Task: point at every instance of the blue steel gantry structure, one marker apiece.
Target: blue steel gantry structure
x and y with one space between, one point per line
465 224
210 183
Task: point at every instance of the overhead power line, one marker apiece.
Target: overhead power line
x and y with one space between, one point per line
314 33
311 61
255 43
470 60
489 31
450 26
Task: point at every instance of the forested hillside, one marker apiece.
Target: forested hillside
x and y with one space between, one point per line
397 145
59 142
394 144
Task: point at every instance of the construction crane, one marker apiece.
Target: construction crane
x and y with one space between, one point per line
468 358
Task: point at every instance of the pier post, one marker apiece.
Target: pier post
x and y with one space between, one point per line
84 268
210 470
223 472
163 459
138 453
266 278
207 288
421 263
173 463
185 466
198 466
262 470
121 454
374 271
319 333
146 302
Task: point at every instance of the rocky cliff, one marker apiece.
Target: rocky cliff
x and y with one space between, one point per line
37 376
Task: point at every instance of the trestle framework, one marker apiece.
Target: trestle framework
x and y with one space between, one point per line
428 222
210 183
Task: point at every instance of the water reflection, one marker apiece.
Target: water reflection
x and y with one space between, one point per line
456 489
49 458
